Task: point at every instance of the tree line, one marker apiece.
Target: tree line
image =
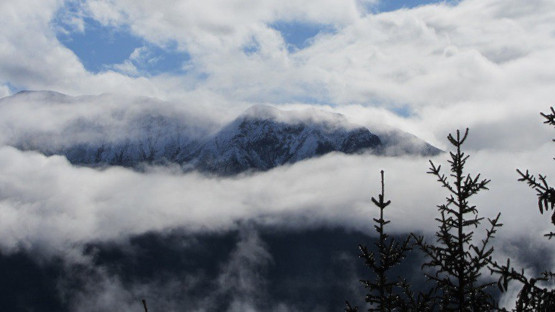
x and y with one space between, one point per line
456 258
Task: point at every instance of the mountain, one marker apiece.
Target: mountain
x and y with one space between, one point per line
150 132
262 139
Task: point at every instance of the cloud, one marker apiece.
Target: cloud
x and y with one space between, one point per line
4 91
239 281
56 67
483 64
140 58
243 276
485 54
26 34
127 68
65 206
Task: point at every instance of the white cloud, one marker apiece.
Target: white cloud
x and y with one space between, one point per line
71 20
64 206
4 91
484 64
496 53
127 68
137 59
33 58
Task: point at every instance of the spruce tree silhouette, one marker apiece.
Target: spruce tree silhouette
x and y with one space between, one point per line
537 294
385 294
456 261
546 193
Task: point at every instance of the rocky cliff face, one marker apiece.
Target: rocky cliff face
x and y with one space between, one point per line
262 141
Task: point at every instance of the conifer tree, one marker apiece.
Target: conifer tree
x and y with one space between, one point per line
537 294
546 193
383 294
456 261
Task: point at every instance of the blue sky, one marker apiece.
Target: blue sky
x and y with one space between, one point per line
297 35
102 47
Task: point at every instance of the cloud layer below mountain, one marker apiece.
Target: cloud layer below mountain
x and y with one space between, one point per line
48 203
484 64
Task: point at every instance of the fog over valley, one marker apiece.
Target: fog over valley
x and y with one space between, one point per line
223 157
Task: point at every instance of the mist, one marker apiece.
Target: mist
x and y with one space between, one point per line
91 238
78 215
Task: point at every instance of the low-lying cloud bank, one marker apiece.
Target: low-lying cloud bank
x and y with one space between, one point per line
50 205
52 210
483 64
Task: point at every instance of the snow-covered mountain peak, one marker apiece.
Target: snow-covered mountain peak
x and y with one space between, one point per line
129 131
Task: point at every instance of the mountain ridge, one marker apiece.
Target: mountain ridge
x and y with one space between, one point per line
261 138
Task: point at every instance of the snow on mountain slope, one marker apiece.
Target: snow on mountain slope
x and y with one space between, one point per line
262 139
101 131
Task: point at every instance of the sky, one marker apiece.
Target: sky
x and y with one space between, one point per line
425 67
406 57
